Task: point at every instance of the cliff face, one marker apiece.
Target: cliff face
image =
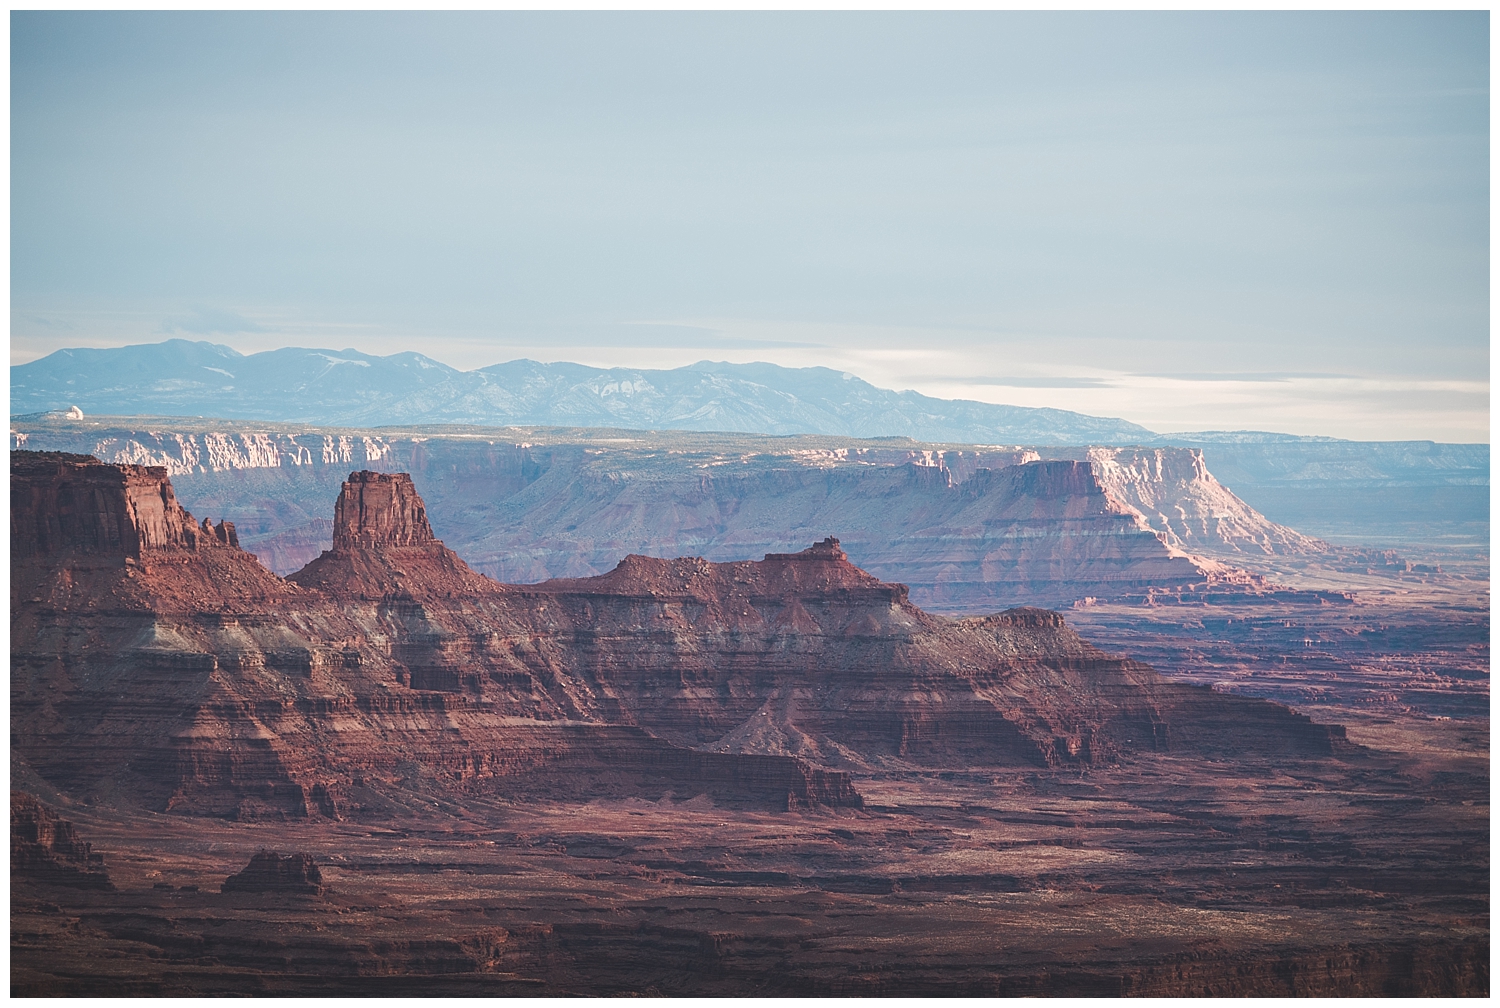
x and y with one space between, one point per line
45 848
942 520
73 503
196 681
379 509
1178 498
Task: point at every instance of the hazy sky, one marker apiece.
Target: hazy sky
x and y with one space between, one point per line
1192 221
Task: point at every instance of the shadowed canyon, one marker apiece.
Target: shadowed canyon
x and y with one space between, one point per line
387 772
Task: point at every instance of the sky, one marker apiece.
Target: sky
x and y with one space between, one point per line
1193 221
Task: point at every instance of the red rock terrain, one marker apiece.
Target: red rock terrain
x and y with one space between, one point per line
968 528
44 848
159 668
187 677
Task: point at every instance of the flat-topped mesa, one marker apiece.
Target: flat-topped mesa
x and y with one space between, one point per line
820 571
276 873
380 509
64 503
1057 479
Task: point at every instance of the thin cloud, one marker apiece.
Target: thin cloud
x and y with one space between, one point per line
50 323
1238 376
657 335
205 321
1043 382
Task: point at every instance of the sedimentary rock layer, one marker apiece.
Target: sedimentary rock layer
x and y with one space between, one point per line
967 527
46 849
186 677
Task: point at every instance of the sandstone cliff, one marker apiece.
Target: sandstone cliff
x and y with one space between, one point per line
73 503
194 680
525 506
1176 495
45 848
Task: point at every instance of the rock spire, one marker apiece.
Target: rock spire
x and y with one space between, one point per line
379 509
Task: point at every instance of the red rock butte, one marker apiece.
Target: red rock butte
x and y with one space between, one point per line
75 503
190 679
645 781
379 509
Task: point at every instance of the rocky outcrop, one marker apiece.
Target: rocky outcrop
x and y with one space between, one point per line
201 683
379 509
276 873
1177 497
955 523
62 503
73 503
44 848
197 682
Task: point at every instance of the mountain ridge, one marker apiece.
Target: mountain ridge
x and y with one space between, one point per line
319 385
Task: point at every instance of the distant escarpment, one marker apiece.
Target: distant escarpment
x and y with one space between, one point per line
969 529
183 676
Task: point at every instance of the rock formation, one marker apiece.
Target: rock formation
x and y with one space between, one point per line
969 528
44 848
378 509
188 678
74 504
276 873
182 675
1177 497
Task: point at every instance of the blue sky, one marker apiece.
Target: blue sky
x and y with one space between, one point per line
1193 221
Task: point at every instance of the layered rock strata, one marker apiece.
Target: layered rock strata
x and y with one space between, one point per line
64 503
185 676
277 873
969 528
45 848
191 679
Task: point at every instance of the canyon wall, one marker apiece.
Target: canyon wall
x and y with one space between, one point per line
1402 494
191 679
64 503
971 528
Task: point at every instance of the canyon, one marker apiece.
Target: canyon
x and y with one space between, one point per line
1147 551
684 775
985 526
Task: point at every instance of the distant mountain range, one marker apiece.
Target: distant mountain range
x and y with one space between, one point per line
345 387
183 378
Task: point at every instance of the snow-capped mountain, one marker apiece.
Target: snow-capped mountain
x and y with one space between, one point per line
183 378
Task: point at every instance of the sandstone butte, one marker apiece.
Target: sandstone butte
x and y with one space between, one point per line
970 529
157 665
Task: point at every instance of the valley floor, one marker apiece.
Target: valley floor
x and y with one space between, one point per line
1408 644
1366 875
